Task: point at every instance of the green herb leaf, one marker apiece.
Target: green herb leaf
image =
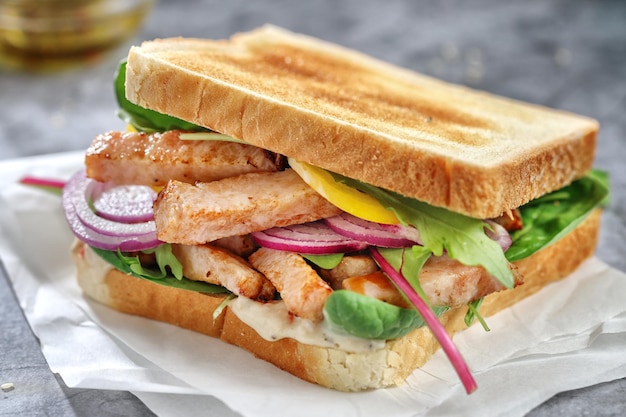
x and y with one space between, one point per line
218 311
325 261
462 237
166 259
131 265
473 314
143 119
366 317
549 218
209 136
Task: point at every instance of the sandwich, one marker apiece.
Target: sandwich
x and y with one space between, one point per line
337 216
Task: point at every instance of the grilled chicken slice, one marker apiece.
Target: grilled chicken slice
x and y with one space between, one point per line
240 205
242 245
445 282
140 158
350 266
217 266
302 290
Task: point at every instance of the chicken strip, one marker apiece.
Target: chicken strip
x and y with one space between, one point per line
240 205
242 245
217 266
302 290
445 282
350 266
140 158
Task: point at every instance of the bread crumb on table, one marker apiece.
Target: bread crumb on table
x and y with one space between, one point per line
7 386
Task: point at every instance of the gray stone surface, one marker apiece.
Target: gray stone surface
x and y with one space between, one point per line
569 54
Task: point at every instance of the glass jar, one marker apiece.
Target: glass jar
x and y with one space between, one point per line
55 28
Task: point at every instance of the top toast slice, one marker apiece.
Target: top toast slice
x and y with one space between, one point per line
444 144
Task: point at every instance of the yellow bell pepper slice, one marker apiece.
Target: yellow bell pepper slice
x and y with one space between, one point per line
346 198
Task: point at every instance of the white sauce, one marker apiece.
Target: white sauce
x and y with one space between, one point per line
92 275
272 322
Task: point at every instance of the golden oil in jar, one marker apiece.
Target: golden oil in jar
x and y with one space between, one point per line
56 28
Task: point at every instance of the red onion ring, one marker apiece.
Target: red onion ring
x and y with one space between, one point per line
310 238
101 225
397 235
99 232
376 234
123 203
498 233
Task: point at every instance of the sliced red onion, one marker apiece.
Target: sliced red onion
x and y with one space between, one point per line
310 238
318 232
376 234
107 227
107 242
498 233
314 228
123 203
444 339
99 232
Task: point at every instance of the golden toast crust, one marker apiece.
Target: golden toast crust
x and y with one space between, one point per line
447 145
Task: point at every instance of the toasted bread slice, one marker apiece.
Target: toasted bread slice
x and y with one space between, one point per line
447 145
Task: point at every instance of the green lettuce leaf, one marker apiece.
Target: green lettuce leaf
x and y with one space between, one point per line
142 119
549 218
363 316
165 260
325 261
209 136
462 237
132 266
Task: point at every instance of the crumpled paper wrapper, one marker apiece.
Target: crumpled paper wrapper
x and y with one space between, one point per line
570 335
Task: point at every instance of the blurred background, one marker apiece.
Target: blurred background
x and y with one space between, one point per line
56 90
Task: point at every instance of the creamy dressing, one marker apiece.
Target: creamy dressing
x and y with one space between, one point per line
272 322
93 274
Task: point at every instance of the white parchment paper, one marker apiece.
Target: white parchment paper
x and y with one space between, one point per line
570 335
